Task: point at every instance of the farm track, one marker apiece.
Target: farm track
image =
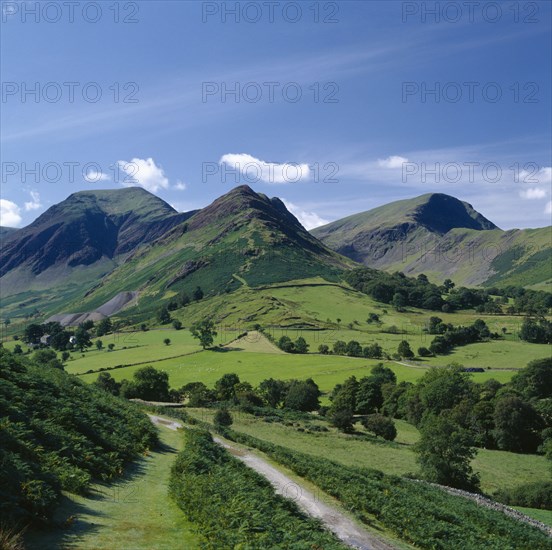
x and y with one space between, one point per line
344 528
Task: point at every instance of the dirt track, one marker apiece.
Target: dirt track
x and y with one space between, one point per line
333 519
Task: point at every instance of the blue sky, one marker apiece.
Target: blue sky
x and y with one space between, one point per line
366 129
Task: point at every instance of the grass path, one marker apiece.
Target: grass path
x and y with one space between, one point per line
135 513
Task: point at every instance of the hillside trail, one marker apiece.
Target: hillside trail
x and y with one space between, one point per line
333 519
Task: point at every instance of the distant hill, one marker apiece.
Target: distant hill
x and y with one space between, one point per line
242 239
5 231
443 237
82 238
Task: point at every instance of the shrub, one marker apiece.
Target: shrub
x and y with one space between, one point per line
381 426
529 495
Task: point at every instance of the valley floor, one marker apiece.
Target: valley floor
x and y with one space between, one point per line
135 513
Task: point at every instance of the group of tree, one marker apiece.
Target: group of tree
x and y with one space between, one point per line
536 331
401 291
353 349
179 301
448 336
285 343
64 339
397 289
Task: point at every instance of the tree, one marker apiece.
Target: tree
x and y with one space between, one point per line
341 416
104 327
65 356
205 332
517 425
82 339
323 349
536 332
354 349
99 344
107 383
424 352
535 380
301 345
369 397
197 294
225 387
7 322
177 325
33 333
285 344
404 350
398 301
151 384
184 299
373 318
302 396
163 315
380 426
167 341
273 391
222 419
449 285
17 349
110 347
373 351
340 347
445 451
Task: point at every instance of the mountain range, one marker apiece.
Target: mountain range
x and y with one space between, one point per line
96 245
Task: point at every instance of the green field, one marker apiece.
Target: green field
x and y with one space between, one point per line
135 512
498 469
253 360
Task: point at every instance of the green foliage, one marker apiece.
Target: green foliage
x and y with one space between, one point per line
58 433
105 326
530 495
222 418
273 391
536 331
225 387
235 507
517 425
381 426
167 341
302 396
535 380
149 384
205 332
420 514
445 451
404 350
163 315
177 325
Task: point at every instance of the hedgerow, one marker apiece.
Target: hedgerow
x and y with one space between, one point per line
235 507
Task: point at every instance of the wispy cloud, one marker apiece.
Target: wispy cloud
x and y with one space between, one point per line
309 220
254 170
34 203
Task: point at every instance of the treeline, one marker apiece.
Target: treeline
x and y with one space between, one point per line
400 291
234 506
59 433
151 384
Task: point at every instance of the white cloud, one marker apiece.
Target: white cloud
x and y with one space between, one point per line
393 161
143 173
309 220
254 170
548 208
93 176
541 176
179 186
34 203
9 213
533 193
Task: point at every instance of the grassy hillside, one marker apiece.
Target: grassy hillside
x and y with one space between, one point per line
58 433
444 238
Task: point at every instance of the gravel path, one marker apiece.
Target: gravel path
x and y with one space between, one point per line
333 519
